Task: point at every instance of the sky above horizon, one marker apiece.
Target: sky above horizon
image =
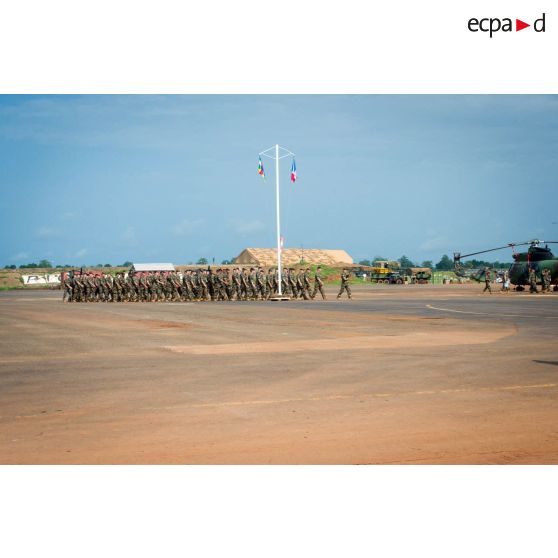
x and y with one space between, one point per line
172 178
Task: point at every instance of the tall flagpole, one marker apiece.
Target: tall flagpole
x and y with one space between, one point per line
279 269
277 157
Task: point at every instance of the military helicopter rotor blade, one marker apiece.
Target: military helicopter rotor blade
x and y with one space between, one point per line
458 256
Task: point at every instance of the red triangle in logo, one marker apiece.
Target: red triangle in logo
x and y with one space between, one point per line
519 25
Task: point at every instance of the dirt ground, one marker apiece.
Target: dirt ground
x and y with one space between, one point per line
399 374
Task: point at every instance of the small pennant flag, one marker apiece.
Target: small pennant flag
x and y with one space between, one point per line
293 171
261 171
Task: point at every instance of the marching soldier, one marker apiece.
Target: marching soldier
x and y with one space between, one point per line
204 281
306 281
244 283
285 284
236 283
68 288
318 284
270 283
260 283
291 278
252 284
301 284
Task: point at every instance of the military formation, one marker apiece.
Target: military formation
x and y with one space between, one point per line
197 285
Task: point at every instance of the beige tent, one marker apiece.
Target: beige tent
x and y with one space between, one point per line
267 257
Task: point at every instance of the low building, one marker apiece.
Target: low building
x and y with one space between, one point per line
267 257
152 267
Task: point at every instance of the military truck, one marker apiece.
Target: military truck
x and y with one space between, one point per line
388 272
391 272
419 275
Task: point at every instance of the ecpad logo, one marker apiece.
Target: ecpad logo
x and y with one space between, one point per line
493 25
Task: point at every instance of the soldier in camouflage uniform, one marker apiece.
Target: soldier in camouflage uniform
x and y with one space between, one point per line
88 288
117 289
98 288
77 288
253 293
270 280
227 282
175 286
106 282
345 276
183 289
244 287
236 283
260 283
306 281
546 280
204 279
68 288
148 286
532 281
217 288
487 279
318 284
301 284
196 286
291 277
285 283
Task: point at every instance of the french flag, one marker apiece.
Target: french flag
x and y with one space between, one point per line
293 171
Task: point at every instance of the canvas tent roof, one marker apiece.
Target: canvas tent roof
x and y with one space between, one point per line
292 256
153 267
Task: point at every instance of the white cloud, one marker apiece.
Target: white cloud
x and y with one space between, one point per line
246 227
68 215
187 226
47 232
80 253
435 243
128 238
20 256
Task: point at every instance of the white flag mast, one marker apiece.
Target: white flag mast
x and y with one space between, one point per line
278 154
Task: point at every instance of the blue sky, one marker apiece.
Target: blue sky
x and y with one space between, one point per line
104 179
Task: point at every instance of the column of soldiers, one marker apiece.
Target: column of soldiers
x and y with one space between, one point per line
195 285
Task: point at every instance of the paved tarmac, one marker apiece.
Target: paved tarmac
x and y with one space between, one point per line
399 374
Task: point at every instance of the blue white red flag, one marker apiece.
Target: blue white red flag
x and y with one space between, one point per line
293 171
261 171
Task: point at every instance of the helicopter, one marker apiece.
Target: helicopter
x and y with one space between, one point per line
536 257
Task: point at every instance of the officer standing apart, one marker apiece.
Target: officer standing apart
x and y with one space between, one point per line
487 279
345 283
